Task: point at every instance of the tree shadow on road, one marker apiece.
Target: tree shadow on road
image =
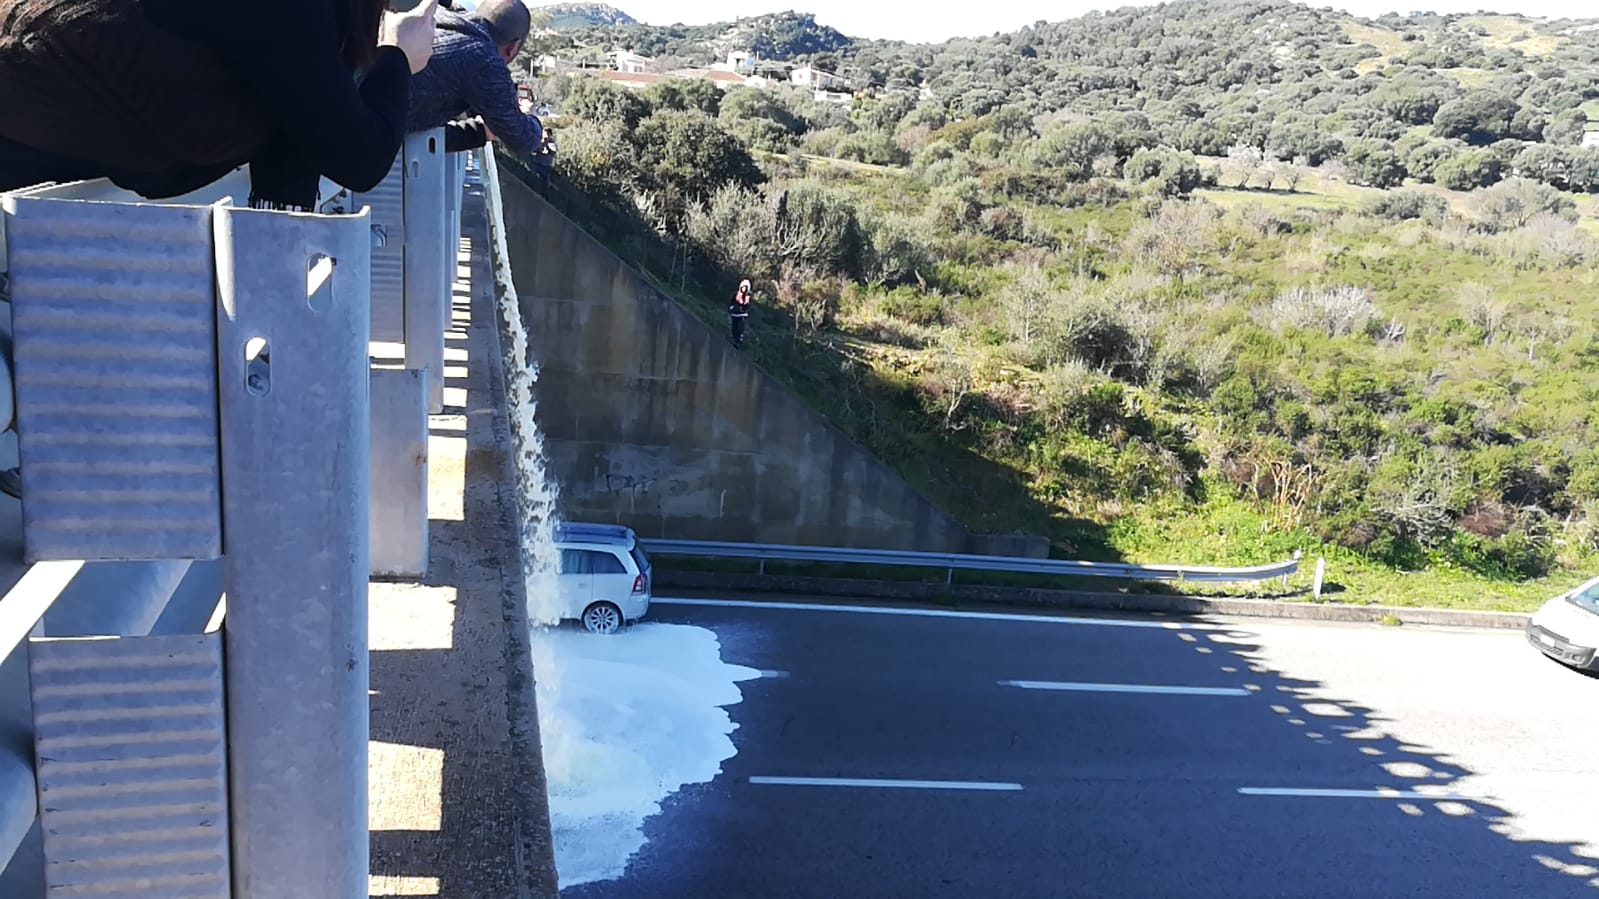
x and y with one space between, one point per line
1450 833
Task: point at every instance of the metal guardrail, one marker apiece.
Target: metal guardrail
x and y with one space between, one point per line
951 562
179 415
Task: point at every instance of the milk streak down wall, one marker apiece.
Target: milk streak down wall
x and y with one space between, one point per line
653 420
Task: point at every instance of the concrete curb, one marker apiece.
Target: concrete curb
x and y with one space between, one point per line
1066 599
534 842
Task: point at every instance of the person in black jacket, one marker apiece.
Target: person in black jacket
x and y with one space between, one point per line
165 96
544 162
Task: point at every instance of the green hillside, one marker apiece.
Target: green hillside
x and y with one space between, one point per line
1204 282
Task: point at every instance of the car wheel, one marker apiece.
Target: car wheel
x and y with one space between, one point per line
602 618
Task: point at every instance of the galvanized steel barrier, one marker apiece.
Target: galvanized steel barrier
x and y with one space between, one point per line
952 562
205 407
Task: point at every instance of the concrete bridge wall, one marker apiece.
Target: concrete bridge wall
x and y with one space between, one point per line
655 421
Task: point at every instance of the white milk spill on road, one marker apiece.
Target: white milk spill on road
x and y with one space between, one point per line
626 721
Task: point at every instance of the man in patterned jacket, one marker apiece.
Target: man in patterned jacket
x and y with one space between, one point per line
467 85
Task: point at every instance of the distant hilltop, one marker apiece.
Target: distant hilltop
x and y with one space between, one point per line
572 16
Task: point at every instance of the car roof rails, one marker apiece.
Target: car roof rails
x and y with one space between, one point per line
605 533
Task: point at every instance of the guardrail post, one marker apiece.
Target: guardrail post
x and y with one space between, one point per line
399 501
427 280
455 170
387 204
410 282
412 272
293 320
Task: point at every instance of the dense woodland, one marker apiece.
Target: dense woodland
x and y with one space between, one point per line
1208 281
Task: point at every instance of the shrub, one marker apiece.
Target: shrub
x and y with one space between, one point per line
1001 223
1404 205
1172 173
1374 163
1071 396
914 306
1174 237
894 332
896 250
873 147
737 227
602 101
823 142
1098 331
1333 311
599 159
816 228
1515 202
958 205
1469 170
1045 187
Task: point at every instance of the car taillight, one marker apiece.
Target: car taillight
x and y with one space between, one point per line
638 584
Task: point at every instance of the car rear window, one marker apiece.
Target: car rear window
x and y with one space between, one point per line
639 559
590 561
605 563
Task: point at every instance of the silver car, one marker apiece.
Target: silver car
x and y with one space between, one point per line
604 579
1566 628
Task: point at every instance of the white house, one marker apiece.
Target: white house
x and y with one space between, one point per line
805 76
738 62
1590 138
632 63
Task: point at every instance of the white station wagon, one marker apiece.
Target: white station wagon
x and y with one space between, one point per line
1566 628
604 580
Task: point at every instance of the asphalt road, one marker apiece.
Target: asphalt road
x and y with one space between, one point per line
1078 785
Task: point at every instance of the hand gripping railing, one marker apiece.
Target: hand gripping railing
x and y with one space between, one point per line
951 562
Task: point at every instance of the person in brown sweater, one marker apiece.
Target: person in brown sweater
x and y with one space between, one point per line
166 96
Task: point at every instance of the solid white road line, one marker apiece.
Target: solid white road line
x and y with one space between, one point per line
889 784
1124 688
1353 794
937 613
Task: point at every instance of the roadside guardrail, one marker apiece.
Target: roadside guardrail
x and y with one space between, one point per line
952 562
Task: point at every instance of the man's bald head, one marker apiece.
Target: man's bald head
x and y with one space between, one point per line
507 21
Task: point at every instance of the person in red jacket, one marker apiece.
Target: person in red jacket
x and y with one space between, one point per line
738 312
166 96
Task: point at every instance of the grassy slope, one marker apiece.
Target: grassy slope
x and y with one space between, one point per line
1515 34
1386 41
1224 530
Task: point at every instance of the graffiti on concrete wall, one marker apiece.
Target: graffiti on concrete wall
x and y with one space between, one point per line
630 486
